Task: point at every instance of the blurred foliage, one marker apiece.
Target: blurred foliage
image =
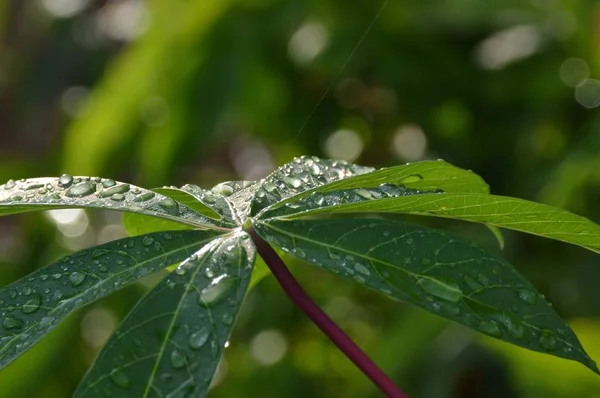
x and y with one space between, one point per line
198 91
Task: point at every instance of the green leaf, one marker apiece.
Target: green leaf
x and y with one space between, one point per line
499 211
68 192
301 174
170 344
429 175
200 200
33 305
446 275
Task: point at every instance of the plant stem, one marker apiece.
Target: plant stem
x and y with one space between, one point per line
323 322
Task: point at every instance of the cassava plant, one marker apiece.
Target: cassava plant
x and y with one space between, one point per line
169 345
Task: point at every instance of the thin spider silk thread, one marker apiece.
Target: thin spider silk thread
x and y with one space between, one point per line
337 76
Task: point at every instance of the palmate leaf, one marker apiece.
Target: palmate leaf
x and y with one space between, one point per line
446 275
171 342
500 211
429 175
68 192
32 306
301 174
198 199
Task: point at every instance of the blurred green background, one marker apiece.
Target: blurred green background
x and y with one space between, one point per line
198 91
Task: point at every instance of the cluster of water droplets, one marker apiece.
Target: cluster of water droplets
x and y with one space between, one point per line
34 304
213 281
300 175
69 191
345 196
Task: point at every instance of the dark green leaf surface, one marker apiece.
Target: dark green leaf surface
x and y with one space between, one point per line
446 275
500 211
428 175
170 344
32 306
301 174
68 192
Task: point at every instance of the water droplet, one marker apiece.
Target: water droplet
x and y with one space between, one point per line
412 178
198 339
527 296
548 340
76 278
27 290
147 241
360 279
65 180
11 322
362 269
108 183
32 304
34 186
514 327
81 189
117 189
168 203
292 182
298 252
177 359
216 291
144 197
227 319
120 378
490 327
12 294
10 184
472 283
223 189
167 236
446 290
56 276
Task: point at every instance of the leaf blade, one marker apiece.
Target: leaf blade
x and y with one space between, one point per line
177 351
81 278
449 276
75 192
499 211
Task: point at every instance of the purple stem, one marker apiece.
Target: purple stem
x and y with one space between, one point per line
323 322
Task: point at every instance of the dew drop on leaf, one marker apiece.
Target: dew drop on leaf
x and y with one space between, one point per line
32 304
65 180
527 296
76 278
227 319
117 189
548 340
167 203
147 241
292 182
10 184
144 197
46 321
120 378
11 322
412 178
108 183
118 197
81 189
177 359
490 327
198 339
446 290
216 291
298 253
362 269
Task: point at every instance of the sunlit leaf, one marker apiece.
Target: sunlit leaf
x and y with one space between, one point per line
70 192
301 174
500 211
170 344
32 306
446 275
425 176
